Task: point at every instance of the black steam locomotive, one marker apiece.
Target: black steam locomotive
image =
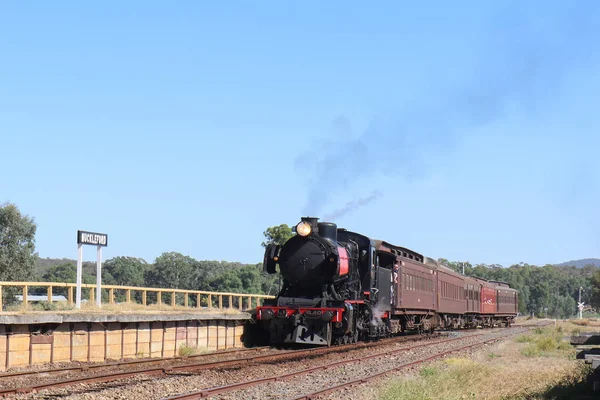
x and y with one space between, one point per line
343 287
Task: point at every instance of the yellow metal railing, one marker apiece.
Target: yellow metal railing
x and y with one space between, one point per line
218 300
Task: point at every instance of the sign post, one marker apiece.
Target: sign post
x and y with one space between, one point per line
580 303
99 240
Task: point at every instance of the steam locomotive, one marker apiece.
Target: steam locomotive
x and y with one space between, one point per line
343 287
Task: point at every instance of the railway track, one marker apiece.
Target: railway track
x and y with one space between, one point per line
41 374
220 390
170 369
88 367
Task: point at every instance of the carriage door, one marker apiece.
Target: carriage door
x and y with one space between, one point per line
471 297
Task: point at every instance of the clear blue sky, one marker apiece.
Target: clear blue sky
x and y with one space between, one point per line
192 126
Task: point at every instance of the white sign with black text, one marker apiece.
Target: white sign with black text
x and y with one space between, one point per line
93 239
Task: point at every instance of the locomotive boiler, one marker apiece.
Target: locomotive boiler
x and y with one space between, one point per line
340 286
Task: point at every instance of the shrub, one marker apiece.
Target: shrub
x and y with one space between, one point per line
531 351
185 350
525 339
428 371
547 343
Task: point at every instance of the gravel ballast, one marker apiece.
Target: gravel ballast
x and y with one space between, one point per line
145 387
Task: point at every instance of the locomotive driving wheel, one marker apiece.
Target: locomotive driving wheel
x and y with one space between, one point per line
329 329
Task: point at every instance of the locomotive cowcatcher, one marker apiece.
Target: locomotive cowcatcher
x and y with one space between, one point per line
342 287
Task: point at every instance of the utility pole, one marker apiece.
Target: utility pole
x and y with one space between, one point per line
579 303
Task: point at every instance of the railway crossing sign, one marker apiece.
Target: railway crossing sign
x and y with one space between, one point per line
95 239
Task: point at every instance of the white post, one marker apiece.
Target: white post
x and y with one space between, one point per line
99 277
79 272
580 304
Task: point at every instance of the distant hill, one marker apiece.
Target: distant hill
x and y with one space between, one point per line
581 263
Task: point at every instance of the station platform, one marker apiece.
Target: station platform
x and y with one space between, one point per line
39 338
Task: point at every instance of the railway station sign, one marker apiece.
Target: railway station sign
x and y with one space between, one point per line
93 238
99 240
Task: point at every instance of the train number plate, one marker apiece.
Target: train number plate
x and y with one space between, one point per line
313 313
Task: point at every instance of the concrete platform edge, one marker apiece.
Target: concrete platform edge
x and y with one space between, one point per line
66 318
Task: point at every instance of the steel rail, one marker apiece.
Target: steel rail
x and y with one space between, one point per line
242 385
331 389
83 368
291 354
286 355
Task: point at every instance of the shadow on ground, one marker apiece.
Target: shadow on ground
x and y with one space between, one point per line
577 390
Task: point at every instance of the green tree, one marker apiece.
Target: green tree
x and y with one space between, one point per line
66 273
206 271
171 270
250 277
277 235
228 281
124 271
17 244
17 248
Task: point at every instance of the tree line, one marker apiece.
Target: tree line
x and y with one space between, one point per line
547 290
172 270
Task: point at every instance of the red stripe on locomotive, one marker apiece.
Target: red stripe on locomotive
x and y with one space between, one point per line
337 312
344 266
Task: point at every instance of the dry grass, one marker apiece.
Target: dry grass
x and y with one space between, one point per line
525 367
588 322
570 326
186 351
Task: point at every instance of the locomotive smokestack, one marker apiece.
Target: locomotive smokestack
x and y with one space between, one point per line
311 220
328 230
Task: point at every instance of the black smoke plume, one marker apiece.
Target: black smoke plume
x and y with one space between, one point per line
509 75
350 206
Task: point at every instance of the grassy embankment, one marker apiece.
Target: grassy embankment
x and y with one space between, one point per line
536 365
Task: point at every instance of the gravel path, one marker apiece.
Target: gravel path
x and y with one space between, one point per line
159 387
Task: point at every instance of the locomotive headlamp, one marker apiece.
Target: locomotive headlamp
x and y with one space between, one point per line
303 228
